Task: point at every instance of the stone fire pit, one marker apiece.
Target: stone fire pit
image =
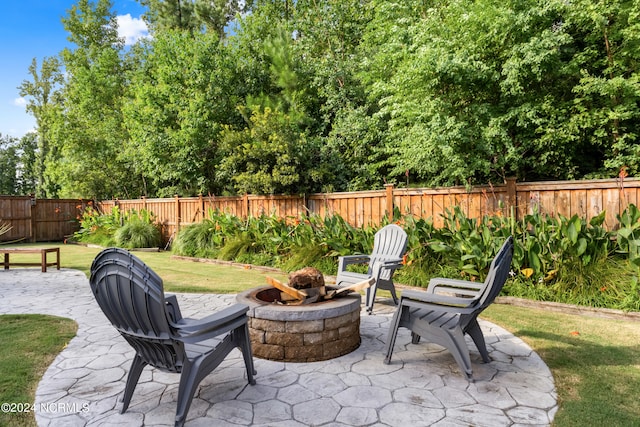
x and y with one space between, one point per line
301 333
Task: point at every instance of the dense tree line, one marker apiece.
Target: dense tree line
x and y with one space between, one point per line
287 96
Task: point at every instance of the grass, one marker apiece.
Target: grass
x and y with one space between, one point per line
29 345
595 361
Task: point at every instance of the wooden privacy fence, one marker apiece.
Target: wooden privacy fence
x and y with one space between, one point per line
583 198
39 220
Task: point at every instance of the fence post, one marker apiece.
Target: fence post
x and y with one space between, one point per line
389 199
245 206
33 226
512 196
201 200
178 216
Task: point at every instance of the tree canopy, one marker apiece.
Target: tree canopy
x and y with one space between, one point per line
285 96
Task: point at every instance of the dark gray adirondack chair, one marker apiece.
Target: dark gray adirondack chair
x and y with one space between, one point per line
389 245
131 296
449 309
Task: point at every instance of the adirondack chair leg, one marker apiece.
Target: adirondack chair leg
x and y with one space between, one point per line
393 333
370 298
476 335
393 295
132 380
186 390
245 346
460 352
415 338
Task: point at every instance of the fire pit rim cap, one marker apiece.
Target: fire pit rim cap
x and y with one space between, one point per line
323 310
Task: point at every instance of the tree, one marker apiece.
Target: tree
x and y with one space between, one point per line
29 151
480 91
9 161
328 44
338 95
304 58
194 16
217 15
170 15
181 96
606 108
89 131
44 99
270 156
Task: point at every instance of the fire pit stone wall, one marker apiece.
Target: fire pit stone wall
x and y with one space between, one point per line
302 333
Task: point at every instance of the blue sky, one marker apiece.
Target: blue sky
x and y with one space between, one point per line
33 29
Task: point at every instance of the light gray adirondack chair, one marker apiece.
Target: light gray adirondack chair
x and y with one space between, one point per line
449 309
131 296
389 245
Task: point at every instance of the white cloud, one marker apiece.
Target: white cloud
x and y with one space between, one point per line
20 102
131 29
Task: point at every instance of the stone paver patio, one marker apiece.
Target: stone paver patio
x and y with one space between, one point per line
421 387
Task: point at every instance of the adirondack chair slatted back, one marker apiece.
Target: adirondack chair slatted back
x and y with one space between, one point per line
498 274
389 242
126 258
134 303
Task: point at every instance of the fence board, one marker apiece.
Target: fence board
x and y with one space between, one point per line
594 204
16 213
578 204
611 205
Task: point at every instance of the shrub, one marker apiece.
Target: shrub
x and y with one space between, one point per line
98 228
138 234
128 230
197 240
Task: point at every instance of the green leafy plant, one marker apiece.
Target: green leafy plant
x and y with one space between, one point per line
628 235
468 242
97 227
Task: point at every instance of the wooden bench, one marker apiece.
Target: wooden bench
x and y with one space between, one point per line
43 251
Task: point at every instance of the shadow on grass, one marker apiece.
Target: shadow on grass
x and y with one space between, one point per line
598 382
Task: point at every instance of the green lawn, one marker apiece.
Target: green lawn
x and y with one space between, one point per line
178 276
29 345
595 361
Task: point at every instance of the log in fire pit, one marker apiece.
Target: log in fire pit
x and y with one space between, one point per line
312 323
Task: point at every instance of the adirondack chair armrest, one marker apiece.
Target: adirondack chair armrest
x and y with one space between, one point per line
423 299
390 264
343 261
439 285
215 324
173 309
